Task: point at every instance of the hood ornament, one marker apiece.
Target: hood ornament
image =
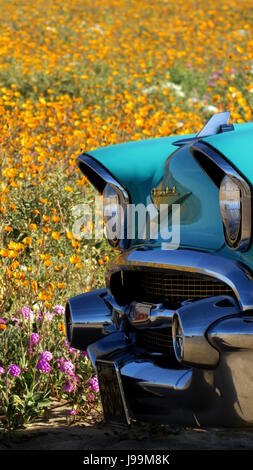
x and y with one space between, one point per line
167 195
217 124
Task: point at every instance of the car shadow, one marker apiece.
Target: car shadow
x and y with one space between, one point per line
53 433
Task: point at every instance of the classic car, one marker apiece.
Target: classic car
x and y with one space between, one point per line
171 334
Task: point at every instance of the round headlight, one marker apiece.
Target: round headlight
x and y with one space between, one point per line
230 207
113 214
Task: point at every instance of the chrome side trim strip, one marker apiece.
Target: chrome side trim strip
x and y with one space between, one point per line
231 272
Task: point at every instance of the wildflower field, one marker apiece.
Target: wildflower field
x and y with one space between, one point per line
76 75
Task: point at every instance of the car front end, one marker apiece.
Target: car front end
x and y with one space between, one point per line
171 334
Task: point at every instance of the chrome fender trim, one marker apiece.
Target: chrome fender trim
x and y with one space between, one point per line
233 273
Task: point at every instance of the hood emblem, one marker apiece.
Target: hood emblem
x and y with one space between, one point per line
167 195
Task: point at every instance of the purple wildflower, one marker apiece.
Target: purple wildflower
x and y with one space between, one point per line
68 387
45 316
71 412
33 342
84 354
48 316
74 351
70 349
35 339
43 366
40 316
1 370
59 310
2 321
26 313
14 370
67 367
46 356
59 362
94 384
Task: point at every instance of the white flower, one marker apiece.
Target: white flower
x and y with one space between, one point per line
242 32
211 108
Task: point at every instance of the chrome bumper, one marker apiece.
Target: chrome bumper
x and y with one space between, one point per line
160 389
147 370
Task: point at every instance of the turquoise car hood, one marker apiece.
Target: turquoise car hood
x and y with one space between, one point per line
137 165
146 158
142 165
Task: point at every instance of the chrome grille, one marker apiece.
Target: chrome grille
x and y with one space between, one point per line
171 287
155 340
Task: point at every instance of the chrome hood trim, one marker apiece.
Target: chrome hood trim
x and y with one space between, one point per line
233 273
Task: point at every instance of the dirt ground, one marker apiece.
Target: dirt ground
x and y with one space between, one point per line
53 433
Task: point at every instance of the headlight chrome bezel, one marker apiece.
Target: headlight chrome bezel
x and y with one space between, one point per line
122 202
217 168
243 233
